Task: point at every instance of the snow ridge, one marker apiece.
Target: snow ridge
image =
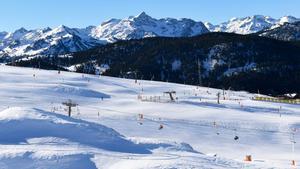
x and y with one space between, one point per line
63 40
142 25
251 24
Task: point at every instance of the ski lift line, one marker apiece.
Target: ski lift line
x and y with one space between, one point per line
210 124
199 123
166 123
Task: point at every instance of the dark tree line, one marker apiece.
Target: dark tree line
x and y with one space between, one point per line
276 70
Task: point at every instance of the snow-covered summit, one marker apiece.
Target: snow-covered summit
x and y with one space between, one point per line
59 40
142 25
250 24
62 39
286 32
284 20
288 19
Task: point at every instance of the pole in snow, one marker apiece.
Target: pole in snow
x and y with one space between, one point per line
293 132
135 77
199 72
218 94
70 104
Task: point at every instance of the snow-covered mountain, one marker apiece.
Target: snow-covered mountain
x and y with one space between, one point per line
63 40
251 24
59 40
287 32
143 25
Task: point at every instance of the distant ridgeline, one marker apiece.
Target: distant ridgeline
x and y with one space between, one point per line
224 60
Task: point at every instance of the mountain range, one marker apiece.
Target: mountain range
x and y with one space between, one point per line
64 40
251 24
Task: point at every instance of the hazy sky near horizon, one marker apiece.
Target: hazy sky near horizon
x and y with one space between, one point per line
32 14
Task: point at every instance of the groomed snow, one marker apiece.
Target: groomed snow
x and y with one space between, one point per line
105 130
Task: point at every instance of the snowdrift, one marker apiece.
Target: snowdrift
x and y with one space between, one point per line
35 126
23 124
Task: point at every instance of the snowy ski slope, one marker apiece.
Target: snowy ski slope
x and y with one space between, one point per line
106 130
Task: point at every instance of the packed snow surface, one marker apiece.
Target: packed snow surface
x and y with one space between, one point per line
111 128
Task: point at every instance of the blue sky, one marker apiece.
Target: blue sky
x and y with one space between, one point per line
81 13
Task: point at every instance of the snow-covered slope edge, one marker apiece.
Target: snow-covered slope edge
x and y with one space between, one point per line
41 139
